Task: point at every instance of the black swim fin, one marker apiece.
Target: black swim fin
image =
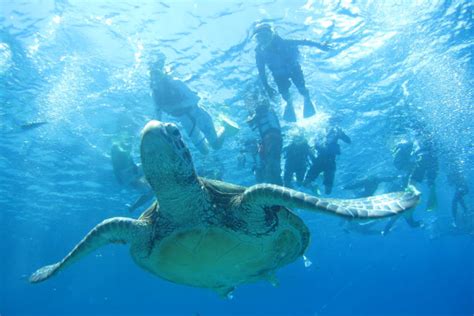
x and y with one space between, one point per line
32 125
289 115
308 109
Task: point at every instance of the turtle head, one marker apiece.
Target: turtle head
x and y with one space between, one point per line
166 160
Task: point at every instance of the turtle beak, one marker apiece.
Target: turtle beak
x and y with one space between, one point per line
151 127
157 130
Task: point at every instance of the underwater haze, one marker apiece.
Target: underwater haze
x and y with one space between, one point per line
74 78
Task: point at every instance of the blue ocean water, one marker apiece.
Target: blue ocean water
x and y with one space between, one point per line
81 67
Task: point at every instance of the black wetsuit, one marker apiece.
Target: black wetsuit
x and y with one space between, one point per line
426 165
461 189
297 157
281 57
403 160
125 169
326 160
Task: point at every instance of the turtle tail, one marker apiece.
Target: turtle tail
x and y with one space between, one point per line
113 230
370 207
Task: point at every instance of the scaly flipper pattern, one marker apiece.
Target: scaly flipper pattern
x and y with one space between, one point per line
370 207
113 230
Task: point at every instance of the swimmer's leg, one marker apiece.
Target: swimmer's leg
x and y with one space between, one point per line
298 79
283 84
189 124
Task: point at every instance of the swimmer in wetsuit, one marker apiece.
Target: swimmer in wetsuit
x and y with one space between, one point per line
325 162
281 57
175 98
129 174
266 122
297 158
461 189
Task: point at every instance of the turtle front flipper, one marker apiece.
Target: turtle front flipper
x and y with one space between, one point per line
113 230
374 206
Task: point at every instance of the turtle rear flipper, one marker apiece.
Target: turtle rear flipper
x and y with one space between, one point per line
370 207
113 230
44 273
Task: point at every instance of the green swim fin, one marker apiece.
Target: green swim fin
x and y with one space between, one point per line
231 128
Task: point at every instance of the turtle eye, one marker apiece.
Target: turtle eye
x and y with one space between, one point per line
172 130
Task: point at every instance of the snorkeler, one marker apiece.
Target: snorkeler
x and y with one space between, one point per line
32 125
129 174
266 122
418 161
404 159
409 218
248 147
297 158
175 98
325 162
281 57
426 166
461 189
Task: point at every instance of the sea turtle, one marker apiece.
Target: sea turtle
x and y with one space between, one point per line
211 234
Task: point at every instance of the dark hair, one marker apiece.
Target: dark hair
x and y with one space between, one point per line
262 27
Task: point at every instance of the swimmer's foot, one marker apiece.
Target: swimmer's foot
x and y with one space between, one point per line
308 109
289 115
228 130
231 128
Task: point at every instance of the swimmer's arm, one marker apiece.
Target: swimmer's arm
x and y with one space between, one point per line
321 46
261 71
344 137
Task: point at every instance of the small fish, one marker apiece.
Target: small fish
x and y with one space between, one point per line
32 125
165 4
